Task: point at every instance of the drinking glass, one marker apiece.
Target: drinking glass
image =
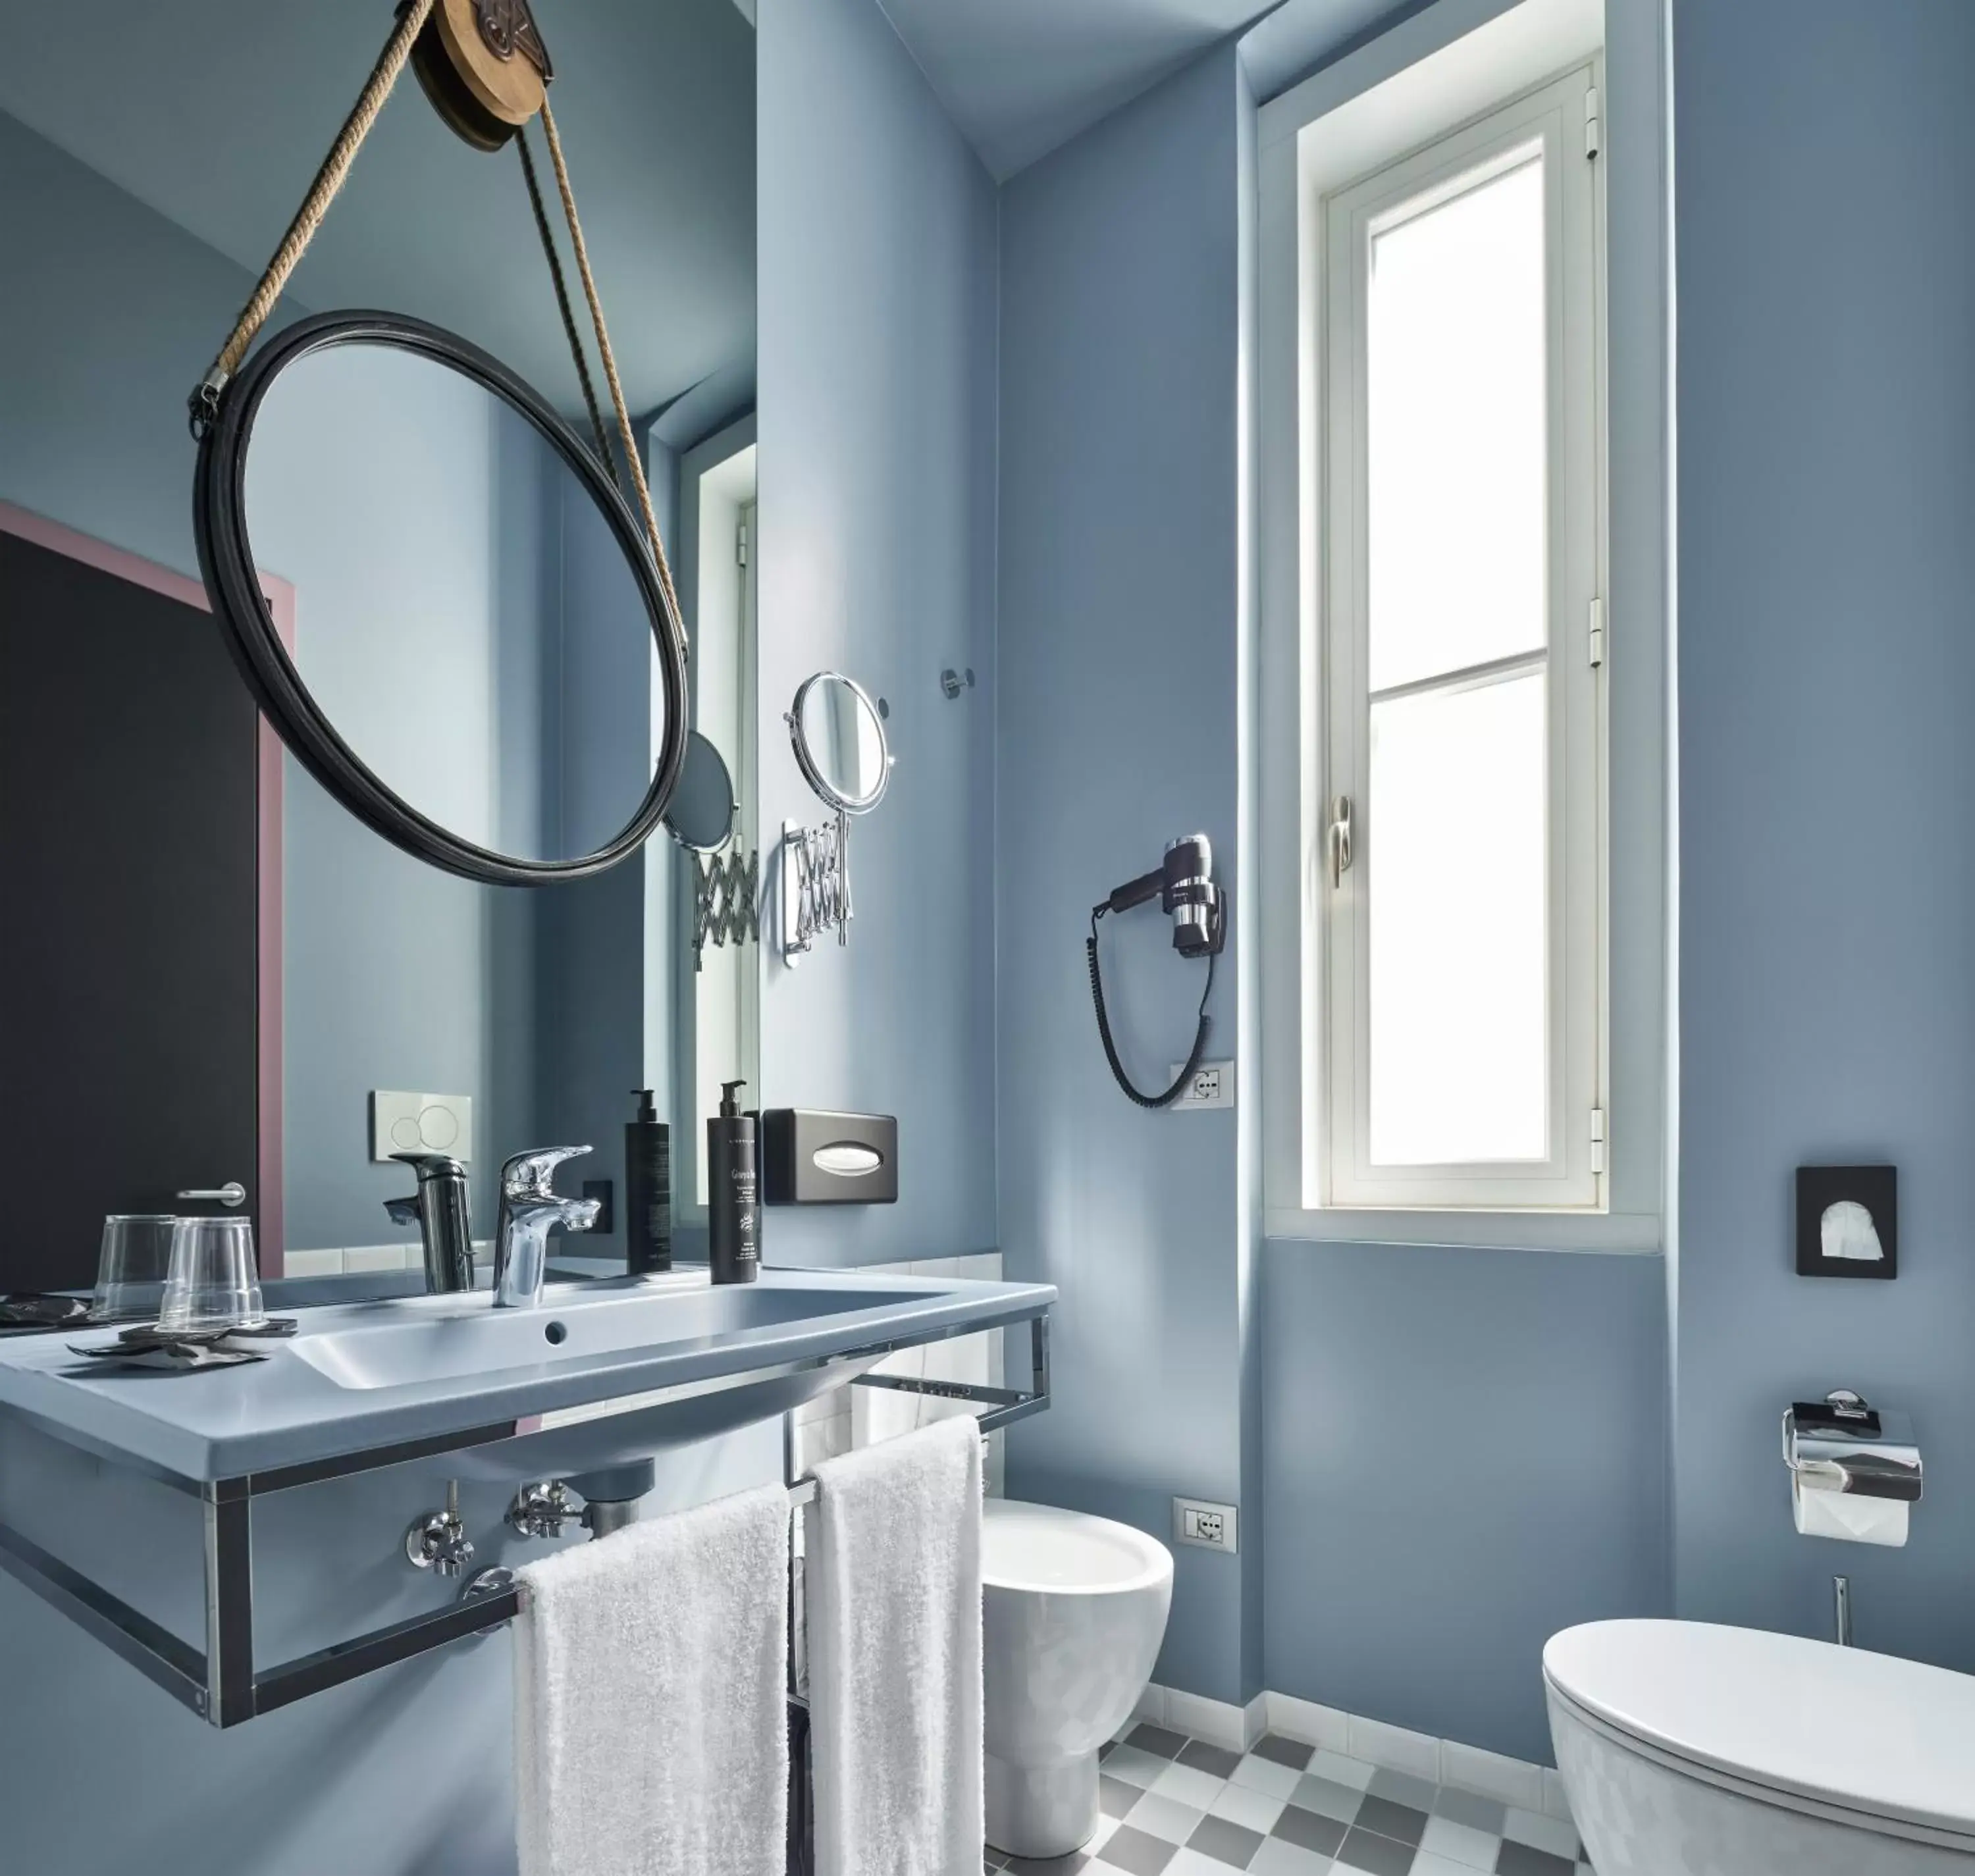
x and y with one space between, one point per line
130 1268
212 1283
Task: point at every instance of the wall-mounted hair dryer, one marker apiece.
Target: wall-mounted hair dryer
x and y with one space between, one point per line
1184 887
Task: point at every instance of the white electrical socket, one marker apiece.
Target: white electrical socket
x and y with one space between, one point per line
1212 1085
1211 1526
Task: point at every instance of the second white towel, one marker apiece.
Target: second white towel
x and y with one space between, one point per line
650 1692
894 1577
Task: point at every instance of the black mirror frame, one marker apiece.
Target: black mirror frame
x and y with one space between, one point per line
226 560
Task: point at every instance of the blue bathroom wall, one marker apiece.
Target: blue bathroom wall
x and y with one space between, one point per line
1466 1450
1826 260
109 315
877 371
1332 1389
1116 731
117 311
388 966
104 338
1463 1452
404 1772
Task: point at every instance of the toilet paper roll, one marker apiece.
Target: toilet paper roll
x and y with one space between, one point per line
1846 1516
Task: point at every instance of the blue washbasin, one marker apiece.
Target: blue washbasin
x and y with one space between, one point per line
434 1338
596 1374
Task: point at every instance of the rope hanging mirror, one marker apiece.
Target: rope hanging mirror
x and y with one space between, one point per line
310 448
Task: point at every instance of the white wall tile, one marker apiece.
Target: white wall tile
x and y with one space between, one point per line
312 1263
358 1258
821 1439
983 1267
833 1401
1395 1748
1308 1723
1218 1721
1513 1781
880 1414
962 1357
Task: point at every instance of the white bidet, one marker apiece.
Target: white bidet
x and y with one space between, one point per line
1074 1609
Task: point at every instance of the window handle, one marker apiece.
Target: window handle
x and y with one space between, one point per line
1339 833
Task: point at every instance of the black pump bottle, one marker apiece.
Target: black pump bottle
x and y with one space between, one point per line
648 1190
734 1238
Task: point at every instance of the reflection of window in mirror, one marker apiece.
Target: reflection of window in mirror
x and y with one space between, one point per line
717 1007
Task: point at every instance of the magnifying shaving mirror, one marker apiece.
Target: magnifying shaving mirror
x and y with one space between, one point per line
485 670
839 736
701 814
839 742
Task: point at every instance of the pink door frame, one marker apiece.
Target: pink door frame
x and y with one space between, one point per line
44 533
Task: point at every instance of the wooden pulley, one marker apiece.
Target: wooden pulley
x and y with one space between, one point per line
483 65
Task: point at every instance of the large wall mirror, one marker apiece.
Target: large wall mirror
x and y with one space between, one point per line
232 977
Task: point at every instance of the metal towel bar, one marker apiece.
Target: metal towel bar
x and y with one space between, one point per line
221 1684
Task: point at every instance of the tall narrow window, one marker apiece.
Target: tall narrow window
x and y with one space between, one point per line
1462 535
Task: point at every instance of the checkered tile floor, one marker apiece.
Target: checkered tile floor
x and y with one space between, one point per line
1178 1807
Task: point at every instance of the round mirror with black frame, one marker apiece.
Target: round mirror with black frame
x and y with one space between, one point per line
467 675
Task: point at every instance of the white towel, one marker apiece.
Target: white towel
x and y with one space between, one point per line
650 1722
894 1603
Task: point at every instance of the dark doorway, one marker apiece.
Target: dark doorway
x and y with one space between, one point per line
131 928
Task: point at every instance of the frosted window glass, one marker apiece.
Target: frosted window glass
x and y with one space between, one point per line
1455 334
1457 839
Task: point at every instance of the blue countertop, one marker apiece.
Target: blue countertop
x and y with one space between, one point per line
358 1377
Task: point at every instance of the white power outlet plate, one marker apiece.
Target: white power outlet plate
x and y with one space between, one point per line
1212 1085
1211 1526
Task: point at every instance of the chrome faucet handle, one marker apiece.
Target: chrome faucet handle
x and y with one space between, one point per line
432 1165
532 1175
531 1207
443 1209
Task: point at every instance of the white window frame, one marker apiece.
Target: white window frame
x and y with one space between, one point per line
1551 118
1455 65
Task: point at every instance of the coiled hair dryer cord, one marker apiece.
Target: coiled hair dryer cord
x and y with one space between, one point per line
1186 1074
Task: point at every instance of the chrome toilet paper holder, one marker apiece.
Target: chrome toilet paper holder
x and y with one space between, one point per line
1843 1443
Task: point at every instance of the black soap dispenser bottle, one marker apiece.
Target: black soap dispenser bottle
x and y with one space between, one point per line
734 1241
647 1189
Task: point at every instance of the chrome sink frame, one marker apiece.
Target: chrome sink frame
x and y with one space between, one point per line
220 1684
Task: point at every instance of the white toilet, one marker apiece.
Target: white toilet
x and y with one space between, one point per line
1074 1609
1693 1750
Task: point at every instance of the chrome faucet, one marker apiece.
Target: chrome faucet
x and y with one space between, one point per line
440 1210
531 1208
